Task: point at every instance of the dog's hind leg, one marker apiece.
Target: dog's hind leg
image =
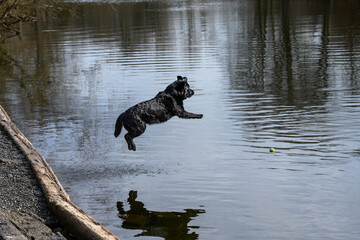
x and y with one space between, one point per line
130 142
133 132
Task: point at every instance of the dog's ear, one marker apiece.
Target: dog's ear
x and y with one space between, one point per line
179 78
184 79
179 86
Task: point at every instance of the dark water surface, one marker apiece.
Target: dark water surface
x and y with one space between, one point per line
282 74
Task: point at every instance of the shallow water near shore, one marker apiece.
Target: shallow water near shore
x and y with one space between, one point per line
281 74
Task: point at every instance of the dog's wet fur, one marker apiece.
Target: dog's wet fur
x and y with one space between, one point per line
161 108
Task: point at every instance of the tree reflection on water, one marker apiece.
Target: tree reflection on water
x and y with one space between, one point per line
168 225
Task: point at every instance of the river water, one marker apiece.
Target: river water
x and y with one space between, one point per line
281 74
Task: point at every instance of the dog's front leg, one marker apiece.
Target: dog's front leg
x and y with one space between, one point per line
185 114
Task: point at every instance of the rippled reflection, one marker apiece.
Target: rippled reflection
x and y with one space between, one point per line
168 225
267 73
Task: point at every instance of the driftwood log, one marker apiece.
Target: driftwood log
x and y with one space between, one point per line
70 216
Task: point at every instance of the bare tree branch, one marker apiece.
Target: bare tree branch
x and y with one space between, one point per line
7 10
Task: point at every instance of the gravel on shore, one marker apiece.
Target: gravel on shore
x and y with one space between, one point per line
21 199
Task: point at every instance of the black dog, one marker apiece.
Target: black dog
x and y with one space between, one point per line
161 108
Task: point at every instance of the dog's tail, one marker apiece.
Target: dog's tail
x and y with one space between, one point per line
118 125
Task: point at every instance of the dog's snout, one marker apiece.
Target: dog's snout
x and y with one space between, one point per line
190 92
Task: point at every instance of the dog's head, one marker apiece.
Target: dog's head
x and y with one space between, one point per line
180 89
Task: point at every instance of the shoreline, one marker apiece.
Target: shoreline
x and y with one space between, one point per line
21 199
32 199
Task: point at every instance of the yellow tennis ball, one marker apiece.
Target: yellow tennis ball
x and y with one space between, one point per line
272 150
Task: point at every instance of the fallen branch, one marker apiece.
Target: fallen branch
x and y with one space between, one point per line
71 217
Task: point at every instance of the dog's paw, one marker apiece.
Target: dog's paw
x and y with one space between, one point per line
132 147
200 116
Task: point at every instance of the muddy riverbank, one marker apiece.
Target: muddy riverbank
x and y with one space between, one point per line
21 199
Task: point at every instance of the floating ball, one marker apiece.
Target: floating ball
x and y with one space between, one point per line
272 150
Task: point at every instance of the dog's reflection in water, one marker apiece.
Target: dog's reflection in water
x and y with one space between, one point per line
168 225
